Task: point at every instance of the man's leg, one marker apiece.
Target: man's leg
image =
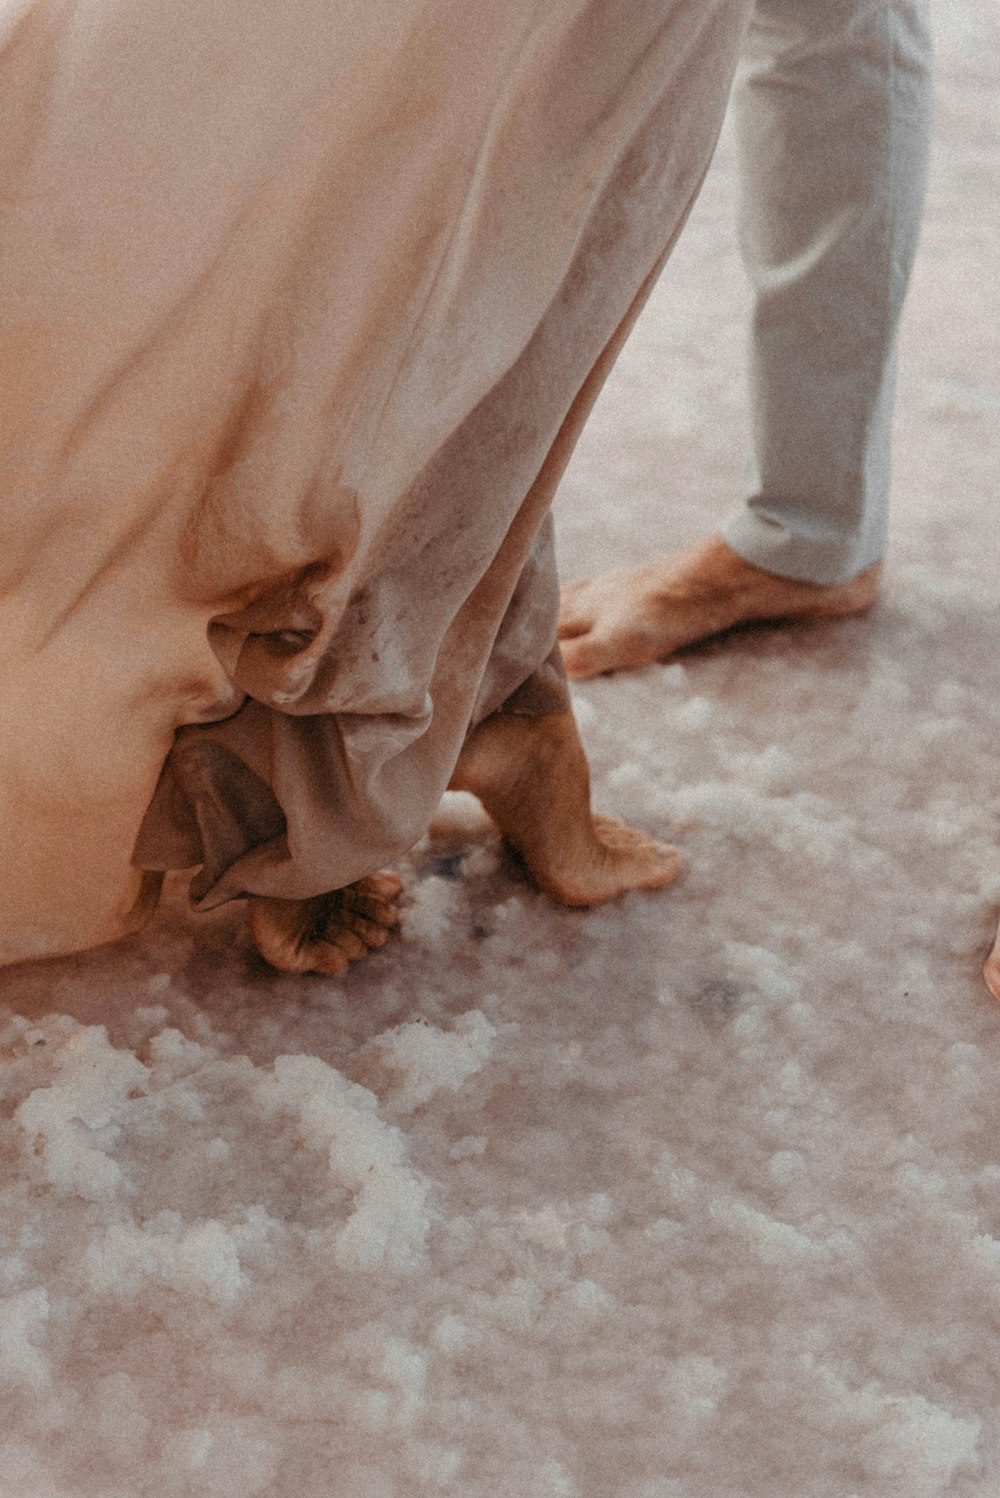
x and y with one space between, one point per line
833 112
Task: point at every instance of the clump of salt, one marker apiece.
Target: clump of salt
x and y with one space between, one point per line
419 1060
68 1125
388 1226
22 1324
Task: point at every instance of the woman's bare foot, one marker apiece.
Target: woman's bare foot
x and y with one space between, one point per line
531 775
991 971
328 933
624 619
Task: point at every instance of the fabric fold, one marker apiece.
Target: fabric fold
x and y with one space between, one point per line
298 308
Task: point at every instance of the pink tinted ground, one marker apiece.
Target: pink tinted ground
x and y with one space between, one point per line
696 1196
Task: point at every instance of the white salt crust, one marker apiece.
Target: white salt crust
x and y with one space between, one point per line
694 1196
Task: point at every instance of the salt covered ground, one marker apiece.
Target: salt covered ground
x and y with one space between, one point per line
696 1196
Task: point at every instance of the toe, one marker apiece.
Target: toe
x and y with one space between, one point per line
655 870
285 957
645 863
337 935
383 886
372 933
327 958
619 836
280 929
671 863
576 610
574 619
583 656
596 652
380 912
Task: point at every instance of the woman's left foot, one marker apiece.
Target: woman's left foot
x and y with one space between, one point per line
329 932
531 775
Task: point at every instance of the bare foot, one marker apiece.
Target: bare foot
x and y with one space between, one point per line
328 933
624 619
991 971
531 775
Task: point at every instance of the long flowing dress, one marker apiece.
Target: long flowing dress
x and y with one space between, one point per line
302 305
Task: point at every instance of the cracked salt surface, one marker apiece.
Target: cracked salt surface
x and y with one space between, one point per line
695 1196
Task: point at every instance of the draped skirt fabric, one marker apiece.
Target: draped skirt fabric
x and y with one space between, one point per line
301 309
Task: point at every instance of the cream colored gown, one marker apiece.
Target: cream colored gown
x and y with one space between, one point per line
301 307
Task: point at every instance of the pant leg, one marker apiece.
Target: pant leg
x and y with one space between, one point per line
833 114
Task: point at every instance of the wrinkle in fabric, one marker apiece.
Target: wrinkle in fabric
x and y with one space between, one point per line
297 307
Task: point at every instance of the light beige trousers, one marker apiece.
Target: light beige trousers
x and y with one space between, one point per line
833 110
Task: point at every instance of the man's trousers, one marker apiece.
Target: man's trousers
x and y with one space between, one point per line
833 109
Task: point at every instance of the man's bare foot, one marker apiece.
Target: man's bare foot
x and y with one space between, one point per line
991 971
531 775
328 933
624 619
